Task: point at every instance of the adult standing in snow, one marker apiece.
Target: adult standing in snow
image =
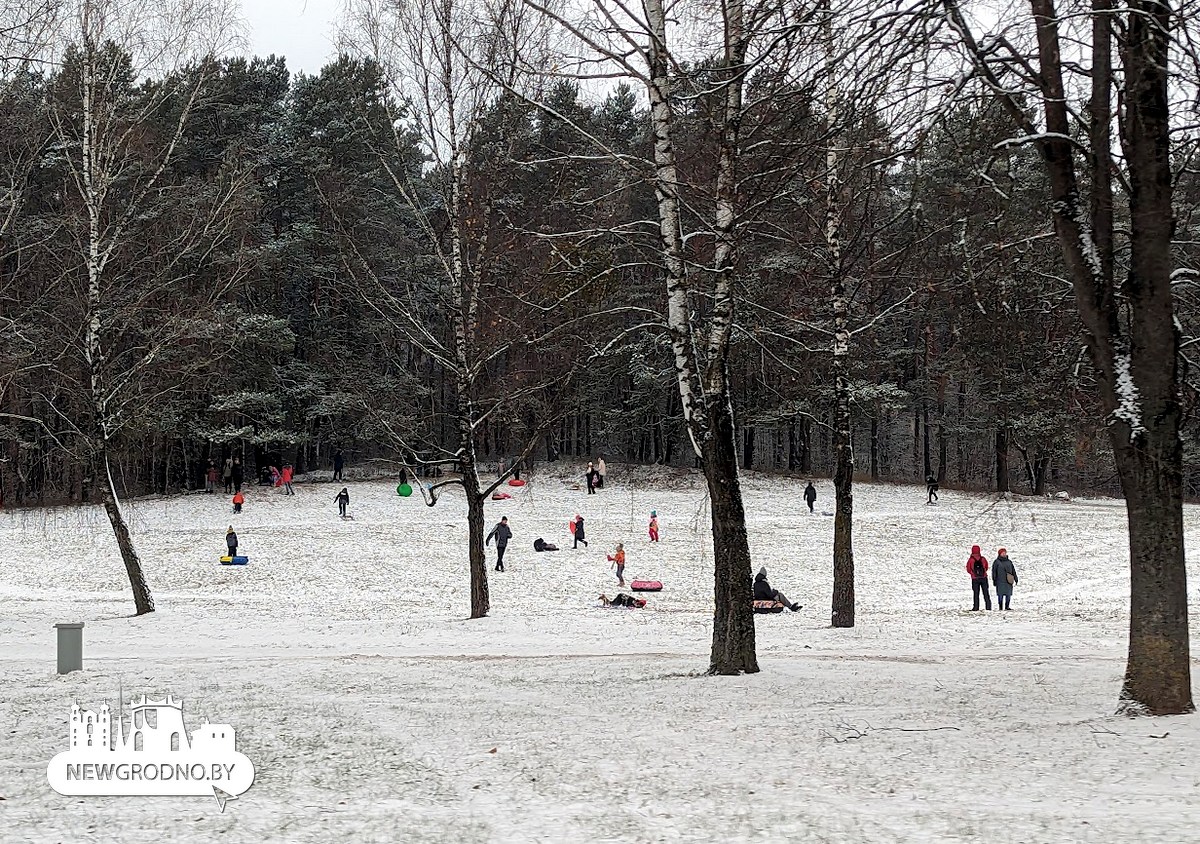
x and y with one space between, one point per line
338 463
210 478
238 476
977 567
288 474
810 496
578 531
931 488
231 541
343 501
1004 576
601 471
502 533
590 476
227 475
764 592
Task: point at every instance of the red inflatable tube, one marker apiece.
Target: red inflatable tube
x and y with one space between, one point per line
515 482
646 586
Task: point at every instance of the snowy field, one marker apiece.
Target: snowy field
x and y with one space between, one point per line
375 712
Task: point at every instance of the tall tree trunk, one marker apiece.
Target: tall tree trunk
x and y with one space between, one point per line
143 601
1002 483
843 474
480 598
733 644
875 445
707 404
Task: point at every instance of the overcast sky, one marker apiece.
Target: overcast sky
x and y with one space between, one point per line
301 30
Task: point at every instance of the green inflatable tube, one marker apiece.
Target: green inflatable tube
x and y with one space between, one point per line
404 490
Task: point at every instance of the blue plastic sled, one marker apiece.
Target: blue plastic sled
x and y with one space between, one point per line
234 561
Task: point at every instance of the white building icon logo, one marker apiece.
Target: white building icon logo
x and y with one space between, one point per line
150 754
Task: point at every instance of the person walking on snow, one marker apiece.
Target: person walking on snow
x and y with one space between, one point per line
231 541
764 592
288 474
618 560
343 501
931 488
1004 576
227 475
977 567
591 476
238 500
577 531
502 532
601 471
810 495
338 463
654 526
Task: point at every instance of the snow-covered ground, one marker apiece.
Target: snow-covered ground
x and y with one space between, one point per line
374 711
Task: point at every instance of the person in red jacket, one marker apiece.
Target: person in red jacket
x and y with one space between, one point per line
287 480
977 567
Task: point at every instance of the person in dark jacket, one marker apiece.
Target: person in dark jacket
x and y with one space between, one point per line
810 495
592 477
931 489
502 532
764 592
238 475
1004 577
579 532
343 501
540 544
231 541
338 463
977 567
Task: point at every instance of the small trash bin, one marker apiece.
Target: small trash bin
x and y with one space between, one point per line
70 647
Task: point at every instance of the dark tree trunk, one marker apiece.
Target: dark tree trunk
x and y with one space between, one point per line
480 600
1002 484
1040 470
925 453
959 439
875 445
941 472
733 646
793 459
806 446
843 520
143 601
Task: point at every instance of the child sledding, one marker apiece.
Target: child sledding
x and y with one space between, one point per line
623 600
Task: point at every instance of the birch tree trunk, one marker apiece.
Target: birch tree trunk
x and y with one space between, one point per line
707 405
843 473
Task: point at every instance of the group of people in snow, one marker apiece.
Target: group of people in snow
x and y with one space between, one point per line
232 473
595 475
1003 575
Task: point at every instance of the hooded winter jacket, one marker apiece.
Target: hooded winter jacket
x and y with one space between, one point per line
762 589
977 564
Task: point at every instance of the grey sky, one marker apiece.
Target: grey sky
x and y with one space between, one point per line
301 30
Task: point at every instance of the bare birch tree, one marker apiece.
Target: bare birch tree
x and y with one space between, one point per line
102 119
